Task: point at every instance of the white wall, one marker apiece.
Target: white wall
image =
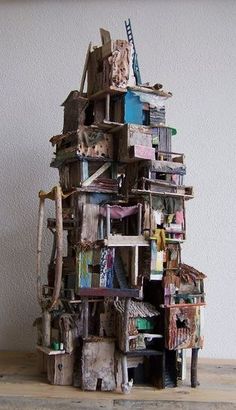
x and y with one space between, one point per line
189 46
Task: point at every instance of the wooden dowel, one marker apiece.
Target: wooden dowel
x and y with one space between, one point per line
85 317
107 117
59 247
150 213
194 361
39 249
126 323
139 219
108 220
125 380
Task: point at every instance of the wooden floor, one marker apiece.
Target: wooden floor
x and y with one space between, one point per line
21 387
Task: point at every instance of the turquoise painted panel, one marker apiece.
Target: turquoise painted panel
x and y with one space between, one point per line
133 109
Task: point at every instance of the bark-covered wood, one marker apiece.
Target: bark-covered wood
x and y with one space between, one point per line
59 247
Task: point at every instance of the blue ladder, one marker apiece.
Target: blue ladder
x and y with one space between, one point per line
135 57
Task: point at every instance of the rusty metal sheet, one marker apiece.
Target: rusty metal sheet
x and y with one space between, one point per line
183 327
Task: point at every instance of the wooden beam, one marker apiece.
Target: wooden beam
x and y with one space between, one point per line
96 174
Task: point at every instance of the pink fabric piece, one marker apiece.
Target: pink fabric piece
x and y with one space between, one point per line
119 212
179 217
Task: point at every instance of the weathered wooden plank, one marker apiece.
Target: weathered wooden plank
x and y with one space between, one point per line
89 228
98 365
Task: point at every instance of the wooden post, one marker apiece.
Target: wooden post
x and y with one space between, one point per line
194 360
125 380
85 317
134 272
39 249
150 213
139 219
107 117
184 236
126 323
59 246
46 328
108 220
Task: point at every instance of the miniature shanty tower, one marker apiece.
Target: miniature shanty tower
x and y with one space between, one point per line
119 305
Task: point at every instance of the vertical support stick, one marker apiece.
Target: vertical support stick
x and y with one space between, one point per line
108 98
134 272
46 328
126 323
194 360
150 213
59 246
39 248
125 380
108 220
139 219
183 364
184 236
85 317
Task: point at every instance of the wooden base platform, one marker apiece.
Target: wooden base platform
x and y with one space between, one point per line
21 387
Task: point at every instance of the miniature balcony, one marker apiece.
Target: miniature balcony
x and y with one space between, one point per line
118 225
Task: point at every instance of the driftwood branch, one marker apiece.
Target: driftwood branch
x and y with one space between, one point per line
39 249
59 246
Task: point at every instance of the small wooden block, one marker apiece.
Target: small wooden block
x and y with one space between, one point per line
142 152
60 369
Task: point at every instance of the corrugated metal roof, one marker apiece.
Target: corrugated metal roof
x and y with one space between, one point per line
137 309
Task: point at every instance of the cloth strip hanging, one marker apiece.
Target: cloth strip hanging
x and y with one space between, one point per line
119 212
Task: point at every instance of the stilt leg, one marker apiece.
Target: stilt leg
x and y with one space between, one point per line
194 360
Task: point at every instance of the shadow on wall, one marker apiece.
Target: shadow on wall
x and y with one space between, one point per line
19 212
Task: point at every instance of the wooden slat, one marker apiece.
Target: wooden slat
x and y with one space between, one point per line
122 240
107 292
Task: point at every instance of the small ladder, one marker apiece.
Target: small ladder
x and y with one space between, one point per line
135 57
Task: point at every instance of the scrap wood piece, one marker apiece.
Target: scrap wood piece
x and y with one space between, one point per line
105 36
96 174
59 247
85 68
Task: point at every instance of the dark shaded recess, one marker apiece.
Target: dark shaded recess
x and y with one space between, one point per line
89 114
